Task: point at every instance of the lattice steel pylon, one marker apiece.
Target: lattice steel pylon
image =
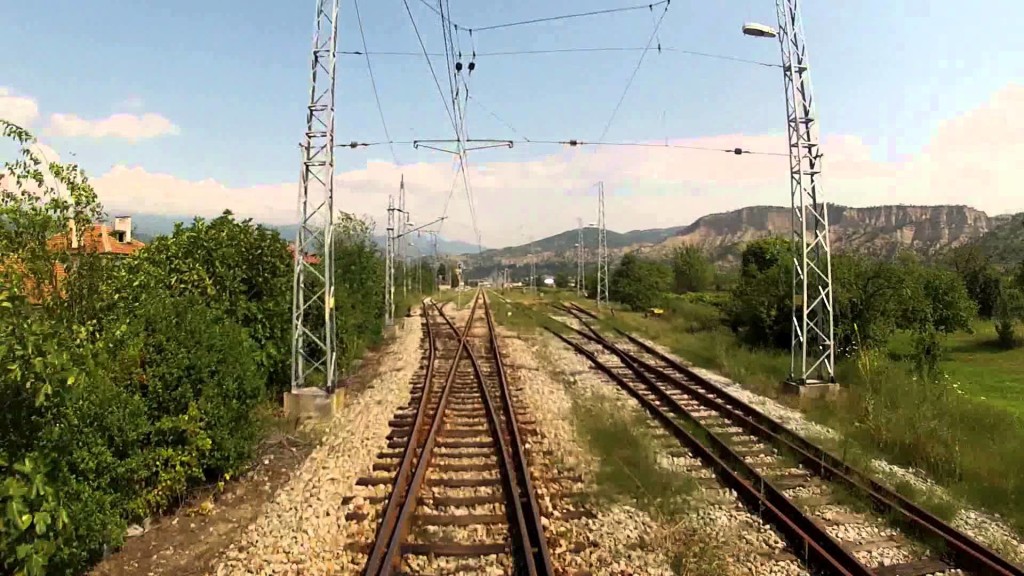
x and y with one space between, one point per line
389 266
313 288
580 259
813 344
602 249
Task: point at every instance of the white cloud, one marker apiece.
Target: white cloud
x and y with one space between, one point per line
972 159
20 110
126 126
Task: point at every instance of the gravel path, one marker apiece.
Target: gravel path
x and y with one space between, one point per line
302 531
986 528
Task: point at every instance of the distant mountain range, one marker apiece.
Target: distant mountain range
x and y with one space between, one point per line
148 226
877 230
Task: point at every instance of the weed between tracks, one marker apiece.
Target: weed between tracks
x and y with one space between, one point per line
629 473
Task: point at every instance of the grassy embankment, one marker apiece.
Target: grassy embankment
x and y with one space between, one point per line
966 431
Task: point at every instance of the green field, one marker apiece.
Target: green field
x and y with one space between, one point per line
983 370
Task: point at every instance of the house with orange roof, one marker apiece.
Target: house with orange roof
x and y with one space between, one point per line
114 240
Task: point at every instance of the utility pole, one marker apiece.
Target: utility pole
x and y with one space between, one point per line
602 250
580 259
812 355
402 228
389 266
313 318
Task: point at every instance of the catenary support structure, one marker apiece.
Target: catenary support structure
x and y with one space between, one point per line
813 344
313 356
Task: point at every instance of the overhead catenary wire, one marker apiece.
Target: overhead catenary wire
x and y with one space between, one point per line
470 29
636 69
373 83
580 143
596 49
423 47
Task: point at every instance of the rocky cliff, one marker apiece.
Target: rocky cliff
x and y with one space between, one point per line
877 230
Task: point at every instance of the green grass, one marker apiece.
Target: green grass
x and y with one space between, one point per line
982 369
628 473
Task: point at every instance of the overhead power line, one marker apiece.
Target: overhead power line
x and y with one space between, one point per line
569 16
423 47
632 76
624 49
447 18
579 143
373 83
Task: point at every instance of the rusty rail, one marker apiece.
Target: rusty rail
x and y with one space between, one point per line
394 524
536 543
528 545
966 552
963 551
817 548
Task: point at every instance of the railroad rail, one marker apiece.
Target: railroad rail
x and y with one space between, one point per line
461 489
733 439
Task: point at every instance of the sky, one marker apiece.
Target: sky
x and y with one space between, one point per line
191 107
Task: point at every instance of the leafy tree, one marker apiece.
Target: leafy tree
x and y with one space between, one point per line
933 298
762 301
561 280
1009 311
639 283
691 270
1018 277
242 269
764 254
866 299
979 276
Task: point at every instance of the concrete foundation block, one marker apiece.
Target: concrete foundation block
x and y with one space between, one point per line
313 403
811 390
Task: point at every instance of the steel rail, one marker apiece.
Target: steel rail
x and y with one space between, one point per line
965 551
961 549
542 556
819 550
525 524
386 551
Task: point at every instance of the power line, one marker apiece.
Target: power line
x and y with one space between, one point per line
429 64
632 77
579 143
576 51
547 18
373 83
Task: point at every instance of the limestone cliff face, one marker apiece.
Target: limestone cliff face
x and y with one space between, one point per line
878 230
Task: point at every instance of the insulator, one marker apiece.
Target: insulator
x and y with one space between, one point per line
737 151
573 143
458 66
353 144
472 66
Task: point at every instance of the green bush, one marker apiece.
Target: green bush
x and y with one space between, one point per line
639 283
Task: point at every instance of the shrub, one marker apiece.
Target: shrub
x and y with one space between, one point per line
639 283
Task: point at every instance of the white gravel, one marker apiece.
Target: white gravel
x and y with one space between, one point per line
303 530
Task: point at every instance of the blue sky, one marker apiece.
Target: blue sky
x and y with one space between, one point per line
233 77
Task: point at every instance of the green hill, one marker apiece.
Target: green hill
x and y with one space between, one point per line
1004 244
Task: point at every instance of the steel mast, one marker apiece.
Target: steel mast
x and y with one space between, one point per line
602 249
813 345
313 319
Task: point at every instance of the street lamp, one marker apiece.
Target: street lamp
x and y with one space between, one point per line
759 30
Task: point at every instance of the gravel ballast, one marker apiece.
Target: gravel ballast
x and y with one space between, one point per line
303 530
988 529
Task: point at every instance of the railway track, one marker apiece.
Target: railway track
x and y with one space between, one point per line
797 487
453 489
